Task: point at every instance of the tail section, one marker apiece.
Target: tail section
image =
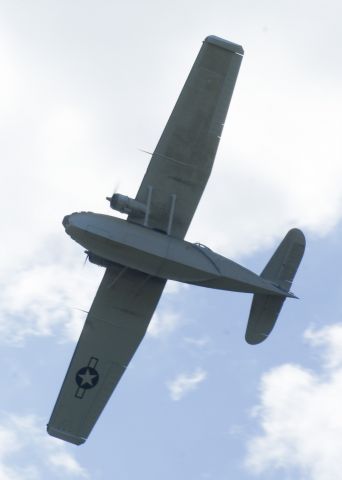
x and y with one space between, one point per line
280 271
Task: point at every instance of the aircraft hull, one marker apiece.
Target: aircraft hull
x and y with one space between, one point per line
161 255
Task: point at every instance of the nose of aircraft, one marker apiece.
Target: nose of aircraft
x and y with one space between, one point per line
66 221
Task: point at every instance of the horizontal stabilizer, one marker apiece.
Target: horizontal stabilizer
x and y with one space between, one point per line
280 270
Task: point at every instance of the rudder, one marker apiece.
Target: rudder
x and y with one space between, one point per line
280 270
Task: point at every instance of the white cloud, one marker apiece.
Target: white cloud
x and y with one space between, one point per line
65 461
28 453
51 296
163 323
278 164
173 287
330 339
44 300
185 383
300 415
275 169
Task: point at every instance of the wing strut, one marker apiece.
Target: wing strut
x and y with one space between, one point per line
148 205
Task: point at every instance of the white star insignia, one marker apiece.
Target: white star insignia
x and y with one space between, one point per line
87 378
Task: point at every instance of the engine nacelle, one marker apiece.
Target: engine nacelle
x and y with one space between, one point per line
127 205
97 260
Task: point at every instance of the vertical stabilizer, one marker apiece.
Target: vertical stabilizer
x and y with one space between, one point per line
280 270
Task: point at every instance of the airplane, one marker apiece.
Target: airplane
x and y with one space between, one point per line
143 251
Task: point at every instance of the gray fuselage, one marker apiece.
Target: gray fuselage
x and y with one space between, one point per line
157 254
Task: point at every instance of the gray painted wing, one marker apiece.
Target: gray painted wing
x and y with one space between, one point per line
115 326
182 161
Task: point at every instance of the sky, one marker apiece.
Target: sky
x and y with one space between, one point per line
84 87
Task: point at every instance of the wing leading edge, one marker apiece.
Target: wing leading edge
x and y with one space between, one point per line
182 161
114 328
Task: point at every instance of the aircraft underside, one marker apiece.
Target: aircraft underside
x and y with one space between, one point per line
140 253
133 246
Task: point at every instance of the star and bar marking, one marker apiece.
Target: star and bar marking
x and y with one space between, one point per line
87 377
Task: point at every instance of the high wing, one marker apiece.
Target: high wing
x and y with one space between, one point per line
182 161
171 189
114 328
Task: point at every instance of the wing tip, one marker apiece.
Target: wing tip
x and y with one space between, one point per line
297 235
226 44
255 338
64 435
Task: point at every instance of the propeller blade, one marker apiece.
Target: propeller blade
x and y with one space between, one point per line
116 188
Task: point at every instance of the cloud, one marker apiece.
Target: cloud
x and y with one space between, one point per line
185 383
299 414
63 460
278 164
278 160
28 453
164 323
51 296
173 287
287 173
43 300
330 339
